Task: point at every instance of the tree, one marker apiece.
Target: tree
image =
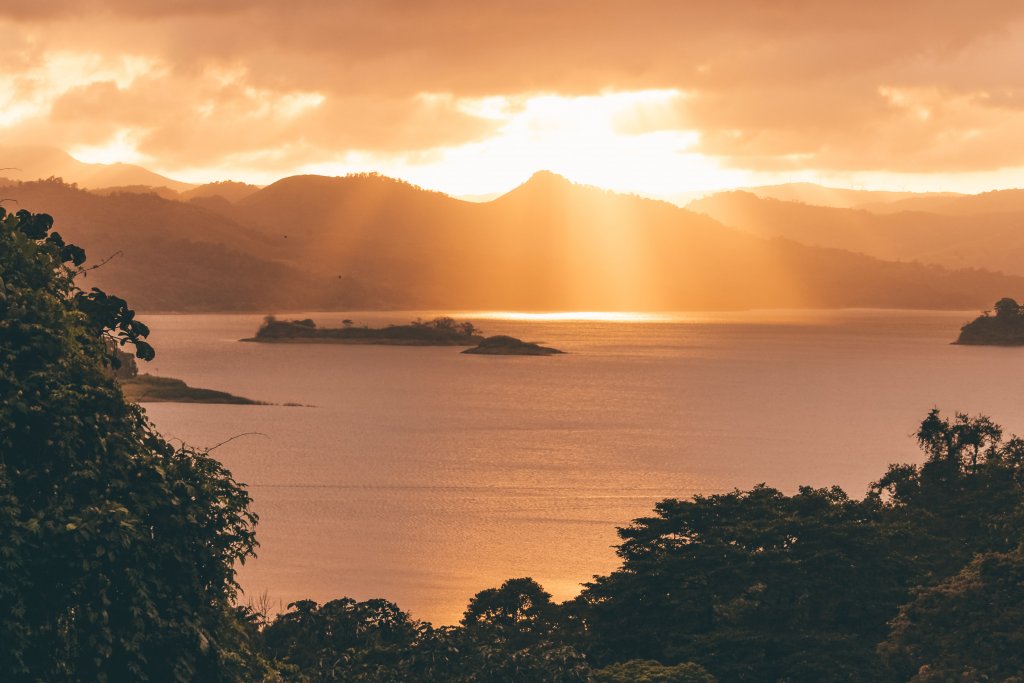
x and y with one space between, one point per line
1007 308
512 633
647 671
345 640
761 586
752 585
117 551
968 628
519 614
506 637
966 498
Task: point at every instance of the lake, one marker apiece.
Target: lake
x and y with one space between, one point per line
422 475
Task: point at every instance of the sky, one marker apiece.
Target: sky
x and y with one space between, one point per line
657 98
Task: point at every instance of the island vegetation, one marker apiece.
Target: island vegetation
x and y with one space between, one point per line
503 345
442 331
118 551
1005 328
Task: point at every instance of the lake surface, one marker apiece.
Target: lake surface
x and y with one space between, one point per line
422 475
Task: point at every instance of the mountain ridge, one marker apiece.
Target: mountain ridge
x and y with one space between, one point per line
992 241
27 163
368 241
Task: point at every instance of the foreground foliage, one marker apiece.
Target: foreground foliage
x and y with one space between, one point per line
117 551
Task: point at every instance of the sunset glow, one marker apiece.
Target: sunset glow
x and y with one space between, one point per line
669 102
580 316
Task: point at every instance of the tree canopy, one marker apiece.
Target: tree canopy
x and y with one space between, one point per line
117 550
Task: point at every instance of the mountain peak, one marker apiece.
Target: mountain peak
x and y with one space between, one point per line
542 185
547 179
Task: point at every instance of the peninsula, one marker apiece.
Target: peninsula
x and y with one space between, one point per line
152 389
437 332
1005 328
143 388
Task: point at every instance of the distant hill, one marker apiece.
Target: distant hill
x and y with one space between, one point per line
838 197
165 192
174 256
228 189
35 163
997 201
991 241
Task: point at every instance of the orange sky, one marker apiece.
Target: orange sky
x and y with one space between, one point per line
653 97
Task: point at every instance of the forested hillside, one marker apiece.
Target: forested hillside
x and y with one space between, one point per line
366 242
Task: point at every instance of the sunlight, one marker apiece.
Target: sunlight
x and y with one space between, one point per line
120 148
614 140
577 316
583 138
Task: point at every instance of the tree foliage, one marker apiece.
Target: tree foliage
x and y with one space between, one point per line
761 586
117 551
648 671
1007 308
969 627
506 636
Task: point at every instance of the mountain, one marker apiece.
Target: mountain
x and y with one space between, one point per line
165 192
997 201
173 256
34 163
366 241
840 198
228 189
992 241
554 245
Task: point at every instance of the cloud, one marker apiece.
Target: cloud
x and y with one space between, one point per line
845 86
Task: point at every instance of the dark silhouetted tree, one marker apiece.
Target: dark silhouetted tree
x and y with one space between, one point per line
970 627
117 551
647 671
1007 308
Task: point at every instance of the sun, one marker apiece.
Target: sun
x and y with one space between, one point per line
120 148
627 141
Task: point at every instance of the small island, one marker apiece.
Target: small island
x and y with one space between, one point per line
1005 328
437 332
503 345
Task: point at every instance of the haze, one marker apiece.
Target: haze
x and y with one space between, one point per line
661 99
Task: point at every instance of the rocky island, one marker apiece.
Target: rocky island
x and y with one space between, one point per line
1005 328
503 345
436 332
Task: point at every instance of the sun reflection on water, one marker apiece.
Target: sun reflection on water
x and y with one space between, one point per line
579 316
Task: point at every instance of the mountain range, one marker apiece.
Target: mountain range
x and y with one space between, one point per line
975 231
367 241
